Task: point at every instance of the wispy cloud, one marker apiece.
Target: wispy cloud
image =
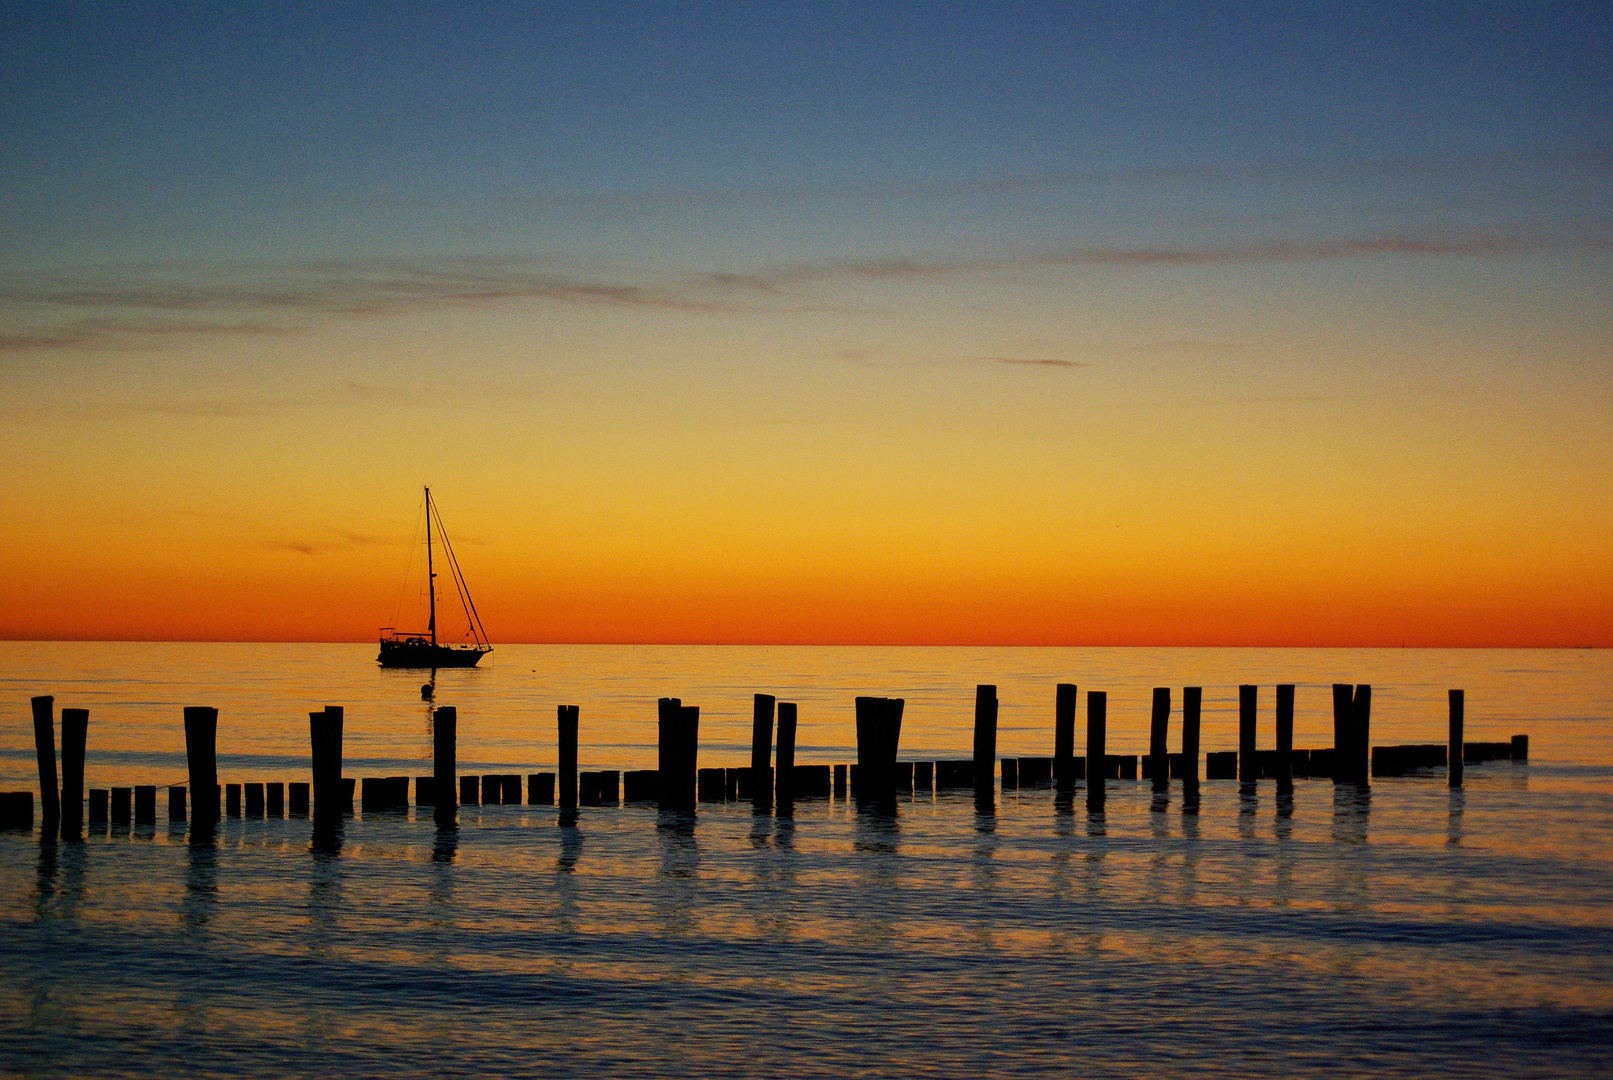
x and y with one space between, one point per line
55 412
1030 362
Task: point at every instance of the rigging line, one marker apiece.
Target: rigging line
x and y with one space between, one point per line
408 565
459 582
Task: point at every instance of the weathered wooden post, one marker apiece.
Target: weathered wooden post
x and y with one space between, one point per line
1064 736
1454 754
879 731
298 790
1343 740
1285 734
145 804
985 756
50 806
445 765
1192 705
176 803
761 751
122 805
679 748
568 757
75 733
325 737
254 800
1158 728
1248 767
784 777
274 798
1361 725
1097 747
201 746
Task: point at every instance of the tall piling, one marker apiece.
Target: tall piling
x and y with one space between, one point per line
678 753
1192 706
568 757
1361 732
1285 733
879 732
50 806
1454 755
325 738
201 756
761 751
1097 747
1064 701
1158 726
985 755
445 765
1248 767
1343 739
784 776
75 733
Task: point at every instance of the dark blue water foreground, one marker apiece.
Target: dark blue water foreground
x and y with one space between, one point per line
1411 931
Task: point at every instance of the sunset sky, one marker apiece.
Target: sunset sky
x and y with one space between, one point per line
840 323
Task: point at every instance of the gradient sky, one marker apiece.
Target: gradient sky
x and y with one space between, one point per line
931 323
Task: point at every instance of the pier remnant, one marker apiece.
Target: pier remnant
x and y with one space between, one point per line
1248 767
16 810
145 804
232 801
176 803
678 753
50 806
470 790
1097 747
299 791
254 800
1221 765
274 802
325 738
761 751
1159 766
568 756
879 731
1192 705
1285 734
201 746
1454 747
785 767
444 765
540 789
122 805
1064 702
75 733
985 749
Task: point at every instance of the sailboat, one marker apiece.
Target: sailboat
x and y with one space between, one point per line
410 649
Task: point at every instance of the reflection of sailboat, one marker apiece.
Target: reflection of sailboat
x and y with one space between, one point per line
401 649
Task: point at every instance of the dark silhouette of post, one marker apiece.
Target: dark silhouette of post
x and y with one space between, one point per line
679 749
1192 703
761 751
1285 734
1361 731
1158 727
50 806
445 765
568 757
1064 736
1343 741
201 756
879 732
145 804
275 799
75 733
1248 767
1097 747
176 803
985 756
325 737
1454 755
785 774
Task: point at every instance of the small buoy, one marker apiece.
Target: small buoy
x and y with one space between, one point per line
426 692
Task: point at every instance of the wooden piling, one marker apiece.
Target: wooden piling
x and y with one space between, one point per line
985 749
444 764
842 778
1361 733
232 799
1285 733
299 792
1010 767
16 810
540 789
201 744
254 800
587 789
1097 746
75 731
1158 728
1248 700
176 802
784 774
1064 702
1520 748
879 731
98 805
711 784
568 756
761 749
145 804
325 740
274 802
1192 705
1343 738
679 751
50 806
122 805
1453 755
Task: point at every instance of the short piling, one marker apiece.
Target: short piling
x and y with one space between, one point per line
122 805
784 774
50 806
470 790
254 800
274 801
176 802
201 756
1097 747
1064 702
232 799
1285 734
540 789
75 732
299 798
761 750
444 765
1158 728
98 805
145 804
568 756
1248 699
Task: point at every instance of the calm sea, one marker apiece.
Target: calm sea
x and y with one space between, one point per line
1408 931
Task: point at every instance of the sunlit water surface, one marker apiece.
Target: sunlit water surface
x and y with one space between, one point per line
1409 931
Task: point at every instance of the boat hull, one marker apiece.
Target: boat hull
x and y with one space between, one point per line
423 654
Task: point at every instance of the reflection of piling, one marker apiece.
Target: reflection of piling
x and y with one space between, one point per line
1454 755
325 738
50 806
1097 746
985 756
761 751
444 765
1064 736
75 733
1248 767
785 767
1285 734
568 757
679 750
879 731
201 745
1192 703
1159 724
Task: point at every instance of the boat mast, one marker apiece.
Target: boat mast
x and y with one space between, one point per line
431 577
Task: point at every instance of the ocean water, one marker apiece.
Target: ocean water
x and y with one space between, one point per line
1401 930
